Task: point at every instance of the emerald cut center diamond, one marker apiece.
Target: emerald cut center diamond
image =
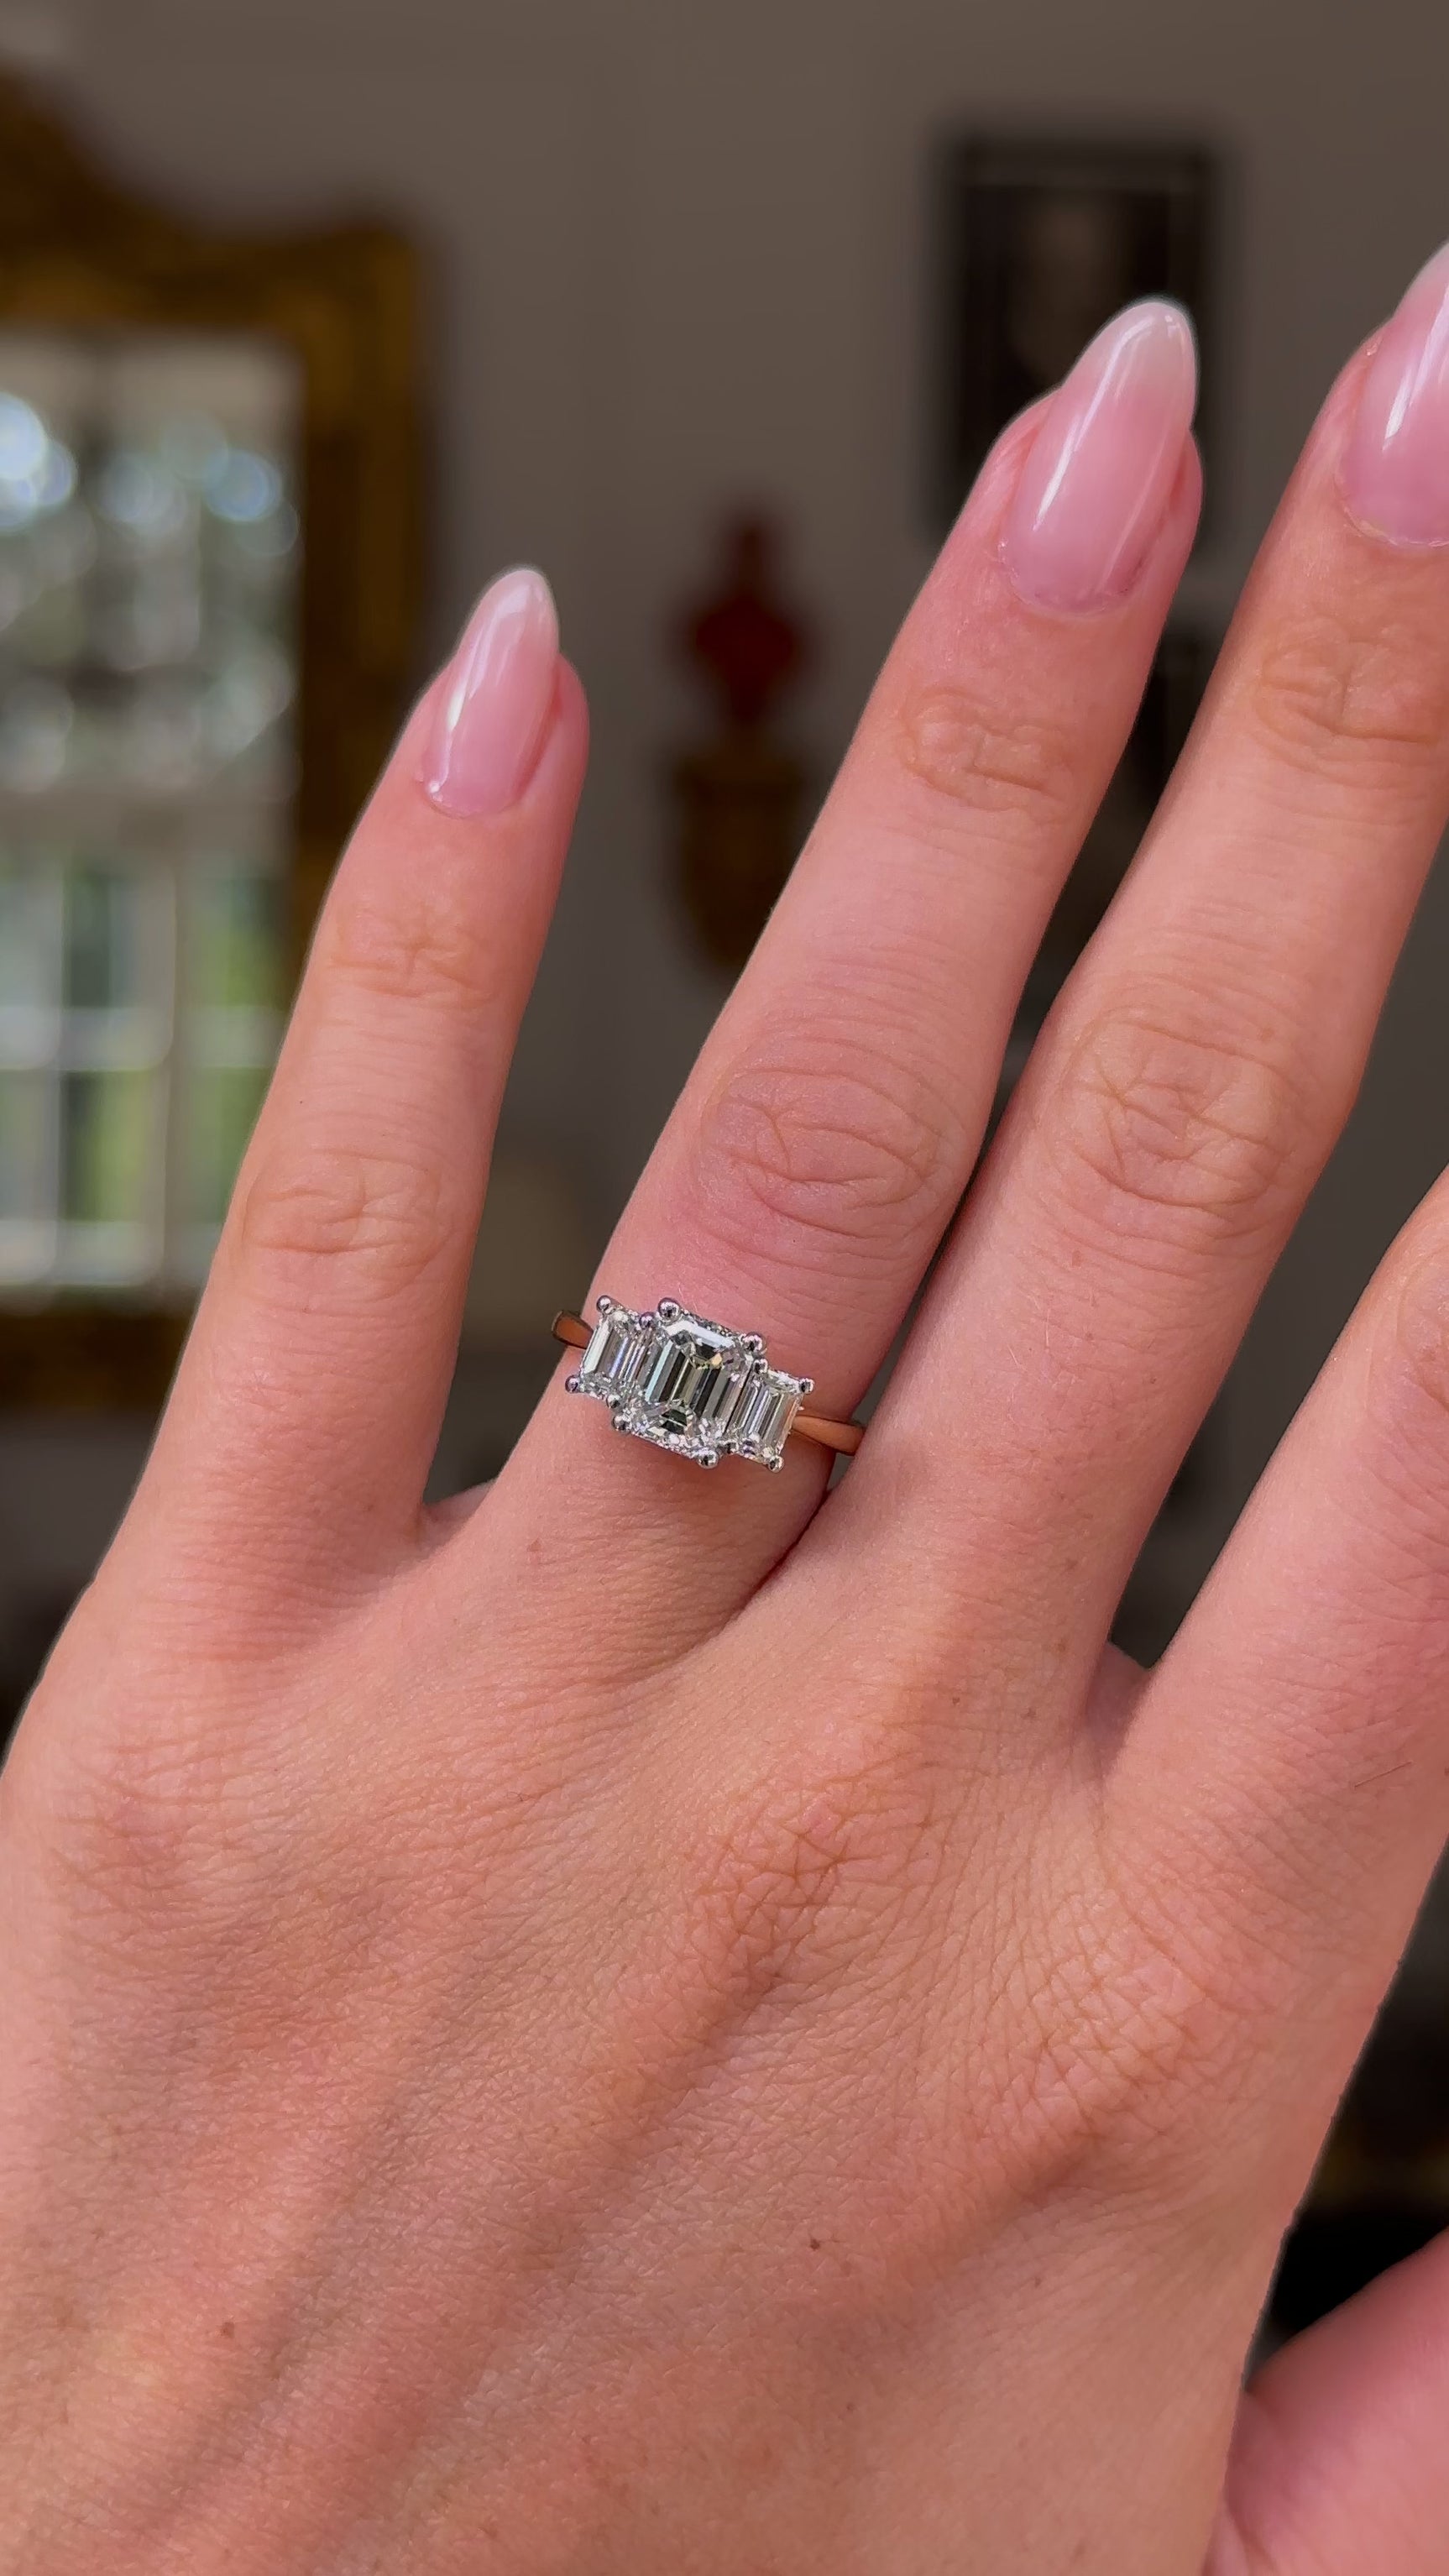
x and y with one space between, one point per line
688 1385
694 1379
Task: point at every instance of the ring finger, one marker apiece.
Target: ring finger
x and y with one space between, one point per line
833 1120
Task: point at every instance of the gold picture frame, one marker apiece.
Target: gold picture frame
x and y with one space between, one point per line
79 251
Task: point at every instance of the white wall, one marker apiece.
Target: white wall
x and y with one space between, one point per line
679 255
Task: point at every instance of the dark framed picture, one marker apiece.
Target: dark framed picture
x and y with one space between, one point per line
1040 243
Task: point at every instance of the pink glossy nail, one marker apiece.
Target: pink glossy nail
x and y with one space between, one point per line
1096 484
497 700
1395 469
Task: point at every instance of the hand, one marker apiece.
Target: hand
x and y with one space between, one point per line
655 2022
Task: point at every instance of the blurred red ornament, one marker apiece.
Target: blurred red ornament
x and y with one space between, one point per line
745 638
741 794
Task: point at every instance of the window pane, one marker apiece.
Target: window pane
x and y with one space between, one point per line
103 957
29 949
110 1136
237 940
25 1182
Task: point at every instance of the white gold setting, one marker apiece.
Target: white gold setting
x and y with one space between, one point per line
689 1386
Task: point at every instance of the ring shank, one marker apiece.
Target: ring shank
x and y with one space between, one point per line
843 1437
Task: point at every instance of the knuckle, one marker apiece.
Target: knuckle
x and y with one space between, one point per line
200 1896
964 747
1152 2023
414 941
1419 1327
840 1148
1325 690
1163 1130
1125 2025
385 1215
805 1883
148 1834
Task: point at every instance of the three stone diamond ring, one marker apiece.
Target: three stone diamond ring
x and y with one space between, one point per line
693 1387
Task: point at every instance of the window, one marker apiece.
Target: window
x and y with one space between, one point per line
210 559
150 548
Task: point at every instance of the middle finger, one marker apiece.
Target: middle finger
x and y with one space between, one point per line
1207 1049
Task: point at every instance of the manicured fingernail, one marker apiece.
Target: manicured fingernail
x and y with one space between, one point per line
497 699
1096 484
1395 468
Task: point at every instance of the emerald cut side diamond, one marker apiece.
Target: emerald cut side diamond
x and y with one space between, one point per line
766 1418
615 1356
689 1386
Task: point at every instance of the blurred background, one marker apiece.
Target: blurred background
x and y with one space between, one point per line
314 314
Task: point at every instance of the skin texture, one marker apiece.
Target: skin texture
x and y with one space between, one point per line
658 2022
